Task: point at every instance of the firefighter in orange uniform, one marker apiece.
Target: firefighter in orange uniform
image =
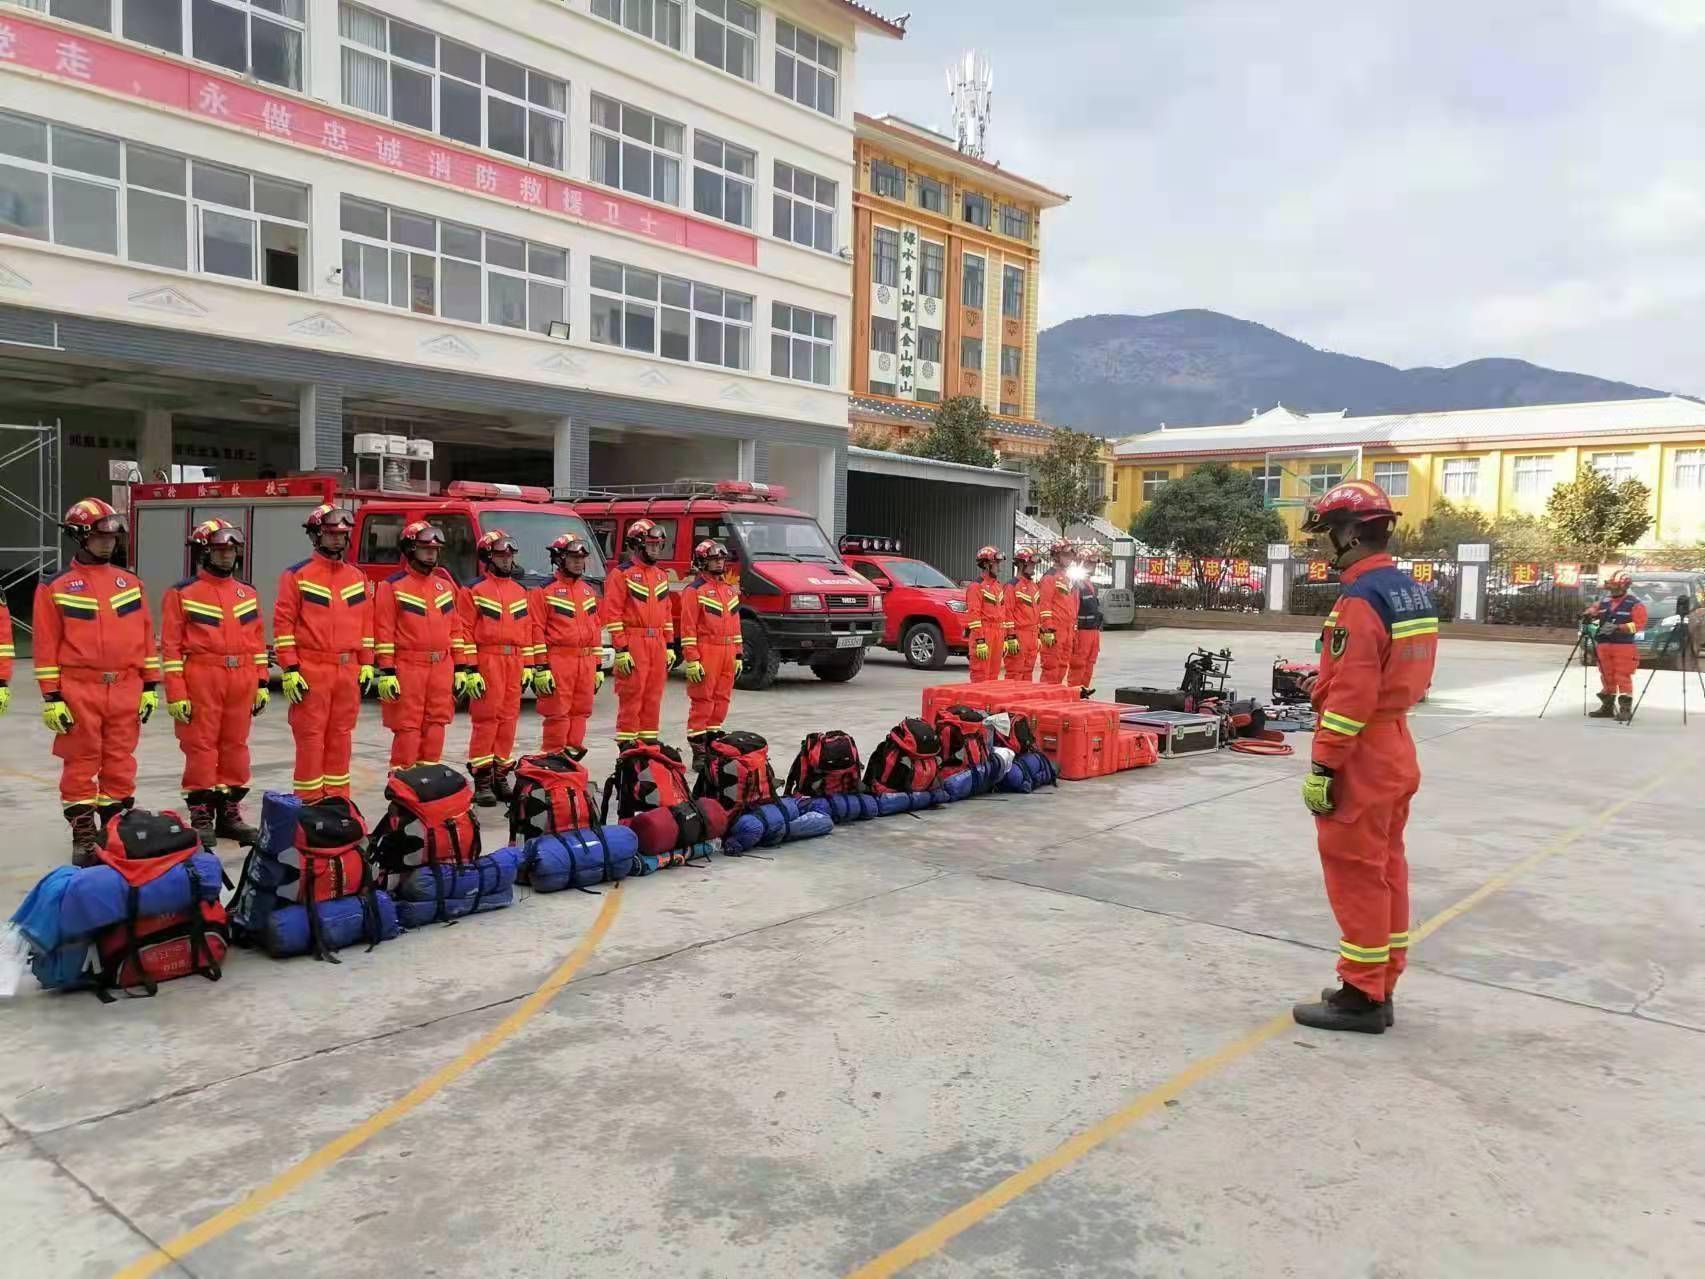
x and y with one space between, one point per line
1086 640
710 645
1057 614
636 609
213 645
986 623
423 661
7 653
566 651
1023 608
497 642
322 629
1376 661
99 673
1619 617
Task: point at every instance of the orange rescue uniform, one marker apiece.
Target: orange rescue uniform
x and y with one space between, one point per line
1057 611
1617 654
710 635
213 644
636 609
7 651
1024 609
497 641
420 642
322 627
986 622
565 639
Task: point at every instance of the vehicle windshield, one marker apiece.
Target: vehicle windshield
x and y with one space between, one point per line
534 531
782 537
916 573
1659 597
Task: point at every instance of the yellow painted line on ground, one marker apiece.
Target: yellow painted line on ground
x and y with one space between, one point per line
938 1234
323 1158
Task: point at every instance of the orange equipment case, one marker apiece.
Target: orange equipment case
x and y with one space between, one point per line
1138 748
994 695
1082 738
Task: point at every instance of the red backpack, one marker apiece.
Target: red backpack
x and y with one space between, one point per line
737 772
331 862
429 820
647 775
909 759
964 740
145 950
1013 731
827 764
550 795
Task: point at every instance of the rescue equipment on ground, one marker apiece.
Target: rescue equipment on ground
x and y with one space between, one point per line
768 825
827 764
908 759
1289 680
1080 738
429 825
967 747
647 775
332 925
550 794
737 772
446 891
579 858
844 808
683 825
1177 732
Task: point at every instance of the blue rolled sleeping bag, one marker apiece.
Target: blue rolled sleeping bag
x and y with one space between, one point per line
841 809
961 785
936 797
464 889
771 824
909 801
1029 770
579 859
98 897
279 811
343 922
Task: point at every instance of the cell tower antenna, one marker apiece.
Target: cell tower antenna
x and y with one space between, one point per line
971 86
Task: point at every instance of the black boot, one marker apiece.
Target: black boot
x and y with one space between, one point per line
230 824
1346 1008
484 795
1331 992
699 744
85 834
204 816
1606 707
576 753
1624 709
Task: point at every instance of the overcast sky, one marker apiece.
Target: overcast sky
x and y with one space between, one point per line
1417 182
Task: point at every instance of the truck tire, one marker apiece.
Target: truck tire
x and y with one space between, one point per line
758 655
838 667
924 646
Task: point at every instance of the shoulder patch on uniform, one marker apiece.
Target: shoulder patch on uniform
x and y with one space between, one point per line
299 565
1340 640
398 576
188 581
477 581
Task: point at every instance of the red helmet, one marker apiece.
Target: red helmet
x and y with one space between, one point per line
643 531
1061 546
324 518
709 549
1622 577
1353 501
990 553
420 533
496 542
566 545
92 515
1025 555
210 533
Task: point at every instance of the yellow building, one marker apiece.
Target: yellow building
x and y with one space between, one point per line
1502 461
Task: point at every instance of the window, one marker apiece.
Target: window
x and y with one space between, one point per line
1012 291
885 257
887 180
883 388
976 209
1015 222
636 150
932 270
722 179
1533 475
802 344
1461 476
807 67
671 317
884 335
1153 482
658 20
259 38
929 346
1010 410
932 195
416 78
1689 470
804 208
433 267
86 191
970 353
924 395
1322 476
971 290
725 34
1393 477
1269 478
1010 361
1615 466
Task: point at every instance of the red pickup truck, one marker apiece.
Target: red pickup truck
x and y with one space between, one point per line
925 611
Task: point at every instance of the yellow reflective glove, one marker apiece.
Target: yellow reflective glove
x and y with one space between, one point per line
526 679
1010 648
1317 791
669 659
544 681
180 710
148 705
262 699
390 687
694 672
57 715
366 679
1049 639
475 686
739 667
597 680
296 687
980 650
624 664
5 699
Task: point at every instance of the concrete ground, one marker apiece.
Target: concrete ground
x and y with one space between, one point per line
788 1066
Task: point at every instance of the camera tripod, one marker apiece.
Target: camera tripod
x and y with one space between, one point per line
1681 639
1586 641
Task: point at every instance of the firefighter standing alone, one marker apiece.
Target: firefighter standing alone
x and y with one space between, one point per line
986 623
1377 656
710 645
1058 614
1620 617
497 642
98 671
213 645
636 608
566 651
424 662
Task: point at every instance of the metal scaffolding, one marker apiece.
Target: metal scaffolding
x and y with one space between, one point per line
30 489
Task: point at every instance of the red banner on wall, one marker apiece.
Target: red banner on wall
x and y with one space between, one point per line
1211 569
1186 566
1317 570
1157 568
1567 574
1421 570
1524 574
1240 568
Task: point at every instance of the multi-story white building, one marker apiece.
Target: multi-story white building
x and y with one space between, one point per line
582 242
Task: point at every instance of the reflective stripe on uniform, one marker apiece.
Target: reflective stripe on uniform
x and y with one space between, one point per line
1399 941
1415 626
1364 954
1341 723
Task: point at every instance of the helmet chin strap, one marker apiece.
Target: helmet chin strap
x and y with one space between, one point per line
1339 552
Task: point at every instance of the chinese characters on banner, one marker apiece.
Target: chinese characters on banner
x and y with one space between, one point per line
1240 568
1186 566
1422 571
133 74
1567 574
1317 570
1157 568
907 385
1211 569
1525 574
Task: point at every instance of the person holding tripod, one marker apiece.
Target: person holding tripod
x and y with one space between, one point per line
1620 617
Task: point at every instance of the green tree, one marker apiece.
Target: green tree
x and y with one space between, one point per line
1214 511
960 433
1065 479
1446 527
1597 515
